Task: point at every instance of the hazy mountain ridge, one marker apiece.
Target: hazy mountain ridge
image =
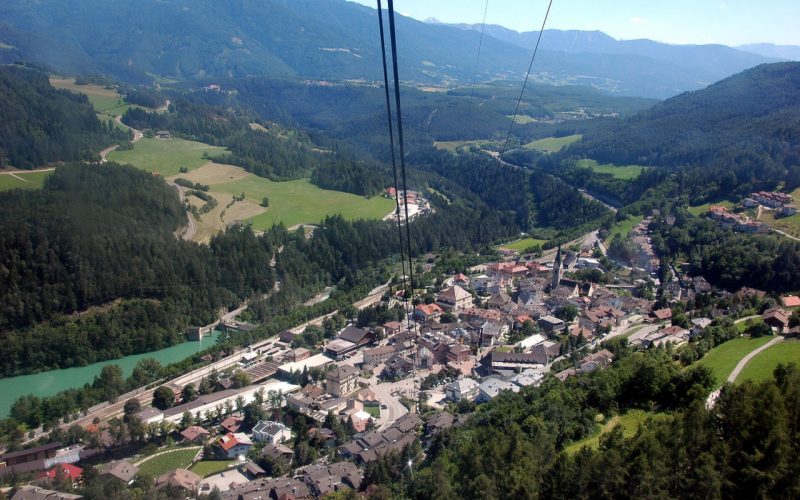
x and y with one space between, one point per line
327 40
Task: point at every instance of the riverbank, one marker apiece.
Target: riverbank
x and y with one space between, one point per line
51 382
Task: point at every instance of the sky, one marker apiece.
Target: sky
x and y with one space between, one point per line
729 22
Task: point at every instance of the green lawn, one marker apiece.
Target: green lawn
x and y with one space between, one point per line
452 146
761 366
630 424
166 156
724 358
701 209
553 144
32 180
375 411
299 201
744 325
175 459
624 172
523 244
630 331
623 227
205 468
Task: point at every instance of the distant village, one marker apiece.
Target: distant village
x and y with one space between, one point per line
287 421
782 204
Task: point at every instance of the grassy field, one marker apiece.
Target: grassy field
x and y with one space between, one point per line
28 180
553 144
630 331
523 244
630 422
701 209
166 156
375 411
178 458
744 325
761 366
107 103
624 172
290 202
205 468
452 146
623 227
724 358
522 119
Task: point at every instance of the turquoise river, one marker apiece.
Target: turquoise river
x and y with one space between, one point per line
49 383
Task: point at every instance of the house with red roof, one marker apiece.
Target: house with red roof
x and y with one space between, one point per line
66 471
425 312
791 301
234 445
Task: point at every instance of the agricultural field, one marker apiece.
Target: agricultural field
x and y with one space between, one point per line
22 180
701 209
290 202
522 245
762 365
722 359
166 157
630 422
553 144
624 227
624 172
106 102
171 460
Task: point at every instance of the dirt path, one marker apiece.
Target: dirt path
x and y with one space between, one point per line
137 135
784 234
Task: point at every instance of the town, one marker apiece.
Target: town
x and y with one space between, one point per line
302 414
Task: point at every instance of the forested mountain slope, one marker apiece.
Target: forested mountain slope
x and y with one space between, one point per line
40 124
102 236
744 129
322 39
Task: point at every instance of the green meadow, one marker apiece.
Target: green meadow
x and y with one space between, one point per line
624 172
764 363
553 144
722 359
25 180
166 157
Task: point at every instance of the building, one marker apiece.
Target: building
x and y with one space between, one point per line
557 270
464 388
599 359
123 471
195 434
163 134
777 318
551 324
37 454
232 423
378 355
30 492
397 367
427 312
235 445
370 446
454 299
67 471
179 479
492 387
342 380
272 432
323 479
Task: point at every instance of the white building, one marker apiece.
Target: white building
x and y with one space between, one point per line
464 388
273 432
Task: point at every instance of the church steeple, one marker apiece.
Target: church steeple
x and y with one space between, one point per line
556 270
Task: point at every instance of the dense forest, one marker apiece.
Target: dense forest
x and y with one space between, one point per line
40 124
69 248
728 259
738 135
514 446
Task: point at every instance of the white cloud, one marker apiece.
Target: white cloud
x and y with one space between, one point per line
723 5
638 20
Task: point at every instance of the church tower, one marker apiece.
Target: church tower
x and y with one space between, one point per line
556 270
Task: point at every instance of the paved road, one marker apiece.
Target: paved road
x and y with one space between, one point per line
784 234
191 226
137 135
384 392
712 398
743 362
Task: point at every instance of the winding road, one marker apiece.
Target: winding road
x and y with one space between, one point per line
712 398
